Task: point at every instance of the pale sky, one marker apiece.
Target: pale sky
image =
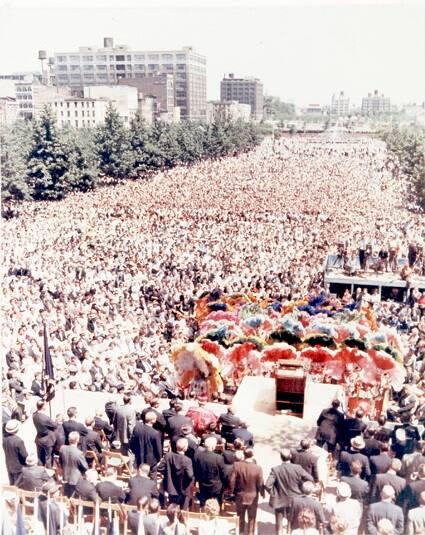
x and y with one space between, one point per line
302 51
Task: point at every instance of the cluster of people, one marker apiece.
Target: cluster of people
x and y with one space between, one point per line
113 276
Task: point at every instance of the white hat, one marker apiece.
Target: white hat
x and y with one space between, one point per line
12 426
344 490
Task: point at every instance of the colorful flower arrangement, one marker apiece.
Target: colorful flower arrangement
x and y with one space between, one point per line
241 334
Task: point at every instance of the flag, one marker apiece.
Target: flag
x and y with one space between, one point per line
20 522
48 372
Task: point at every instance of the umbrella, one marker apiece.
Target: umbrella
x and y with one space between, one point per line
278 352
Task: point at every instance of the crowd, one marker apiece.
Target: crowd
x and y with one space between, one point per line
114 275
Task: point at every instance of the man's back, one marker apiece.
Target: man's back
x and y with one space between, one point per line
139 486
209 469
73 463
380 510
109 490
416 521
247 481
32 478
284 482
307 461
300 503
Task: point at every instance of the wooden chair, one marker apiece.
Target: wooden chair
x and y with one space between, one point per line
119 461
91 455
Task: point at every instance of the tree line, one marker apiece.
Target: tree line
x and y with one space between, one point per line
407 145
43 162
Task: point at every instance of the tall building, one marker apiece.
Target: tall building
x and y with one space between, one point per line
340 104
375 104
105 66
244 90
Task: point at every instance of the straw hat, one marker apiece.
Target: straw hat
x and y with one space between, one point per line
12 426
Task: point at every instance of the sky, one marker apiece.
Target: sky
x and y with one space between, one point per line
303 52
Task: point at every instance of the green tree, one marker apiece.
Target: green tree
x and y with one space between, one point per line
48 161
164 150
139 145
189 137
112 144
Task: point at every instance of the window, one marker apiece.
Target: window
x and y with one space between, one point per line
167 57
180 56
62 67
101 58
92 104
181 67
92 113
139 67
82 113
139 57
153 66
154 57
75 77
56 104
128 57
102 76
84 123
120 58
101 67
68 113
168 66
87 58
67 104
61 59
129 67
75 67
74 58
76 124
61 113
120 67
88 67
88 77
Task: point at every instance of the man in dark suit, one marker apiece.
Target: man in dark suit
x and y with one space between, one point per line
32 477
306 501
305 458
187 433
151 520
71 425
329 425
153 406
177 470
59 434
242 432
283 483
110 410
414 489
73 463
102 425
385 509
383 433
246 483
389 478
45 438
168 413
228 421
175 423
55 514
372 446
209 472
347 457
109 488
359 487
351 428
379 464
86 486
124 422
93 442
14 450
36 386
411 461
141 485
146 444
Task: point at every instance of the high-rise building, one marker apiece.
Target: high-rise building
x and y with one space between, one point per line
244 90
105 66
340 104
375 104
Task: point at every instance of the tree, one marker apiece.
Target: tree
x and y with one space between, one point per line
164 150
82 173
16 143
113 146
139 145
189 137
48 161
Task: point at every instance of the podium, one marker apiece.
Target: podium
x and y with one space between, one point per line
290 387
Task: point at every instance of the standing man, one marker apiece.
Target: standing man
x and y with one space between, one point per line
385 509
283 483
209 472
246 482
45 438
73 462
177 470
72 425
141 485
146 444
329 426
125 420
14 450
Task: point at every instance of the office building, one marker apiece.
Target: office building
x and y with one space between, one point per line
375 104
105 66
79 112
157 86
244 90
340 105
9 110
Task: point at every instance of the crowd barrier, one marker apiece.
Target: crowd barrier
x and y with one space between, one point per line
84 515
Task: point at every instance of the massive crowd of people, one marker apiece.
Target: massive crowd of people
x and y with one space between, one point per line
114 275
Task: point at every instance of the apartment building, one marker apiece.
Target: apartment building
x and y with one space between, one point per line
375 104
246 91
340 105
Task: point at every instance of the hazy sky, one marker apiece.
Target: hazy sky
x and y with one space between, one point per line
302 51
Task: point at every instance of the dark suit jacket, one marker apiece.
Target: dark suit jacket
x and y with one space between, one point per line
306 502
383 434
93 442
371 447
60 437
178 474
191 449
380 510
347 457
160 424
329 424
175 423
15 453
246 436
412 492
359 488
146 445
108 489
150 523
73 463
102 425
86 491
351 427
139 486
45 427
397 483
228 422
73 425
209 471
37 389
284 482
307 460
246 482
379 464
32 478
